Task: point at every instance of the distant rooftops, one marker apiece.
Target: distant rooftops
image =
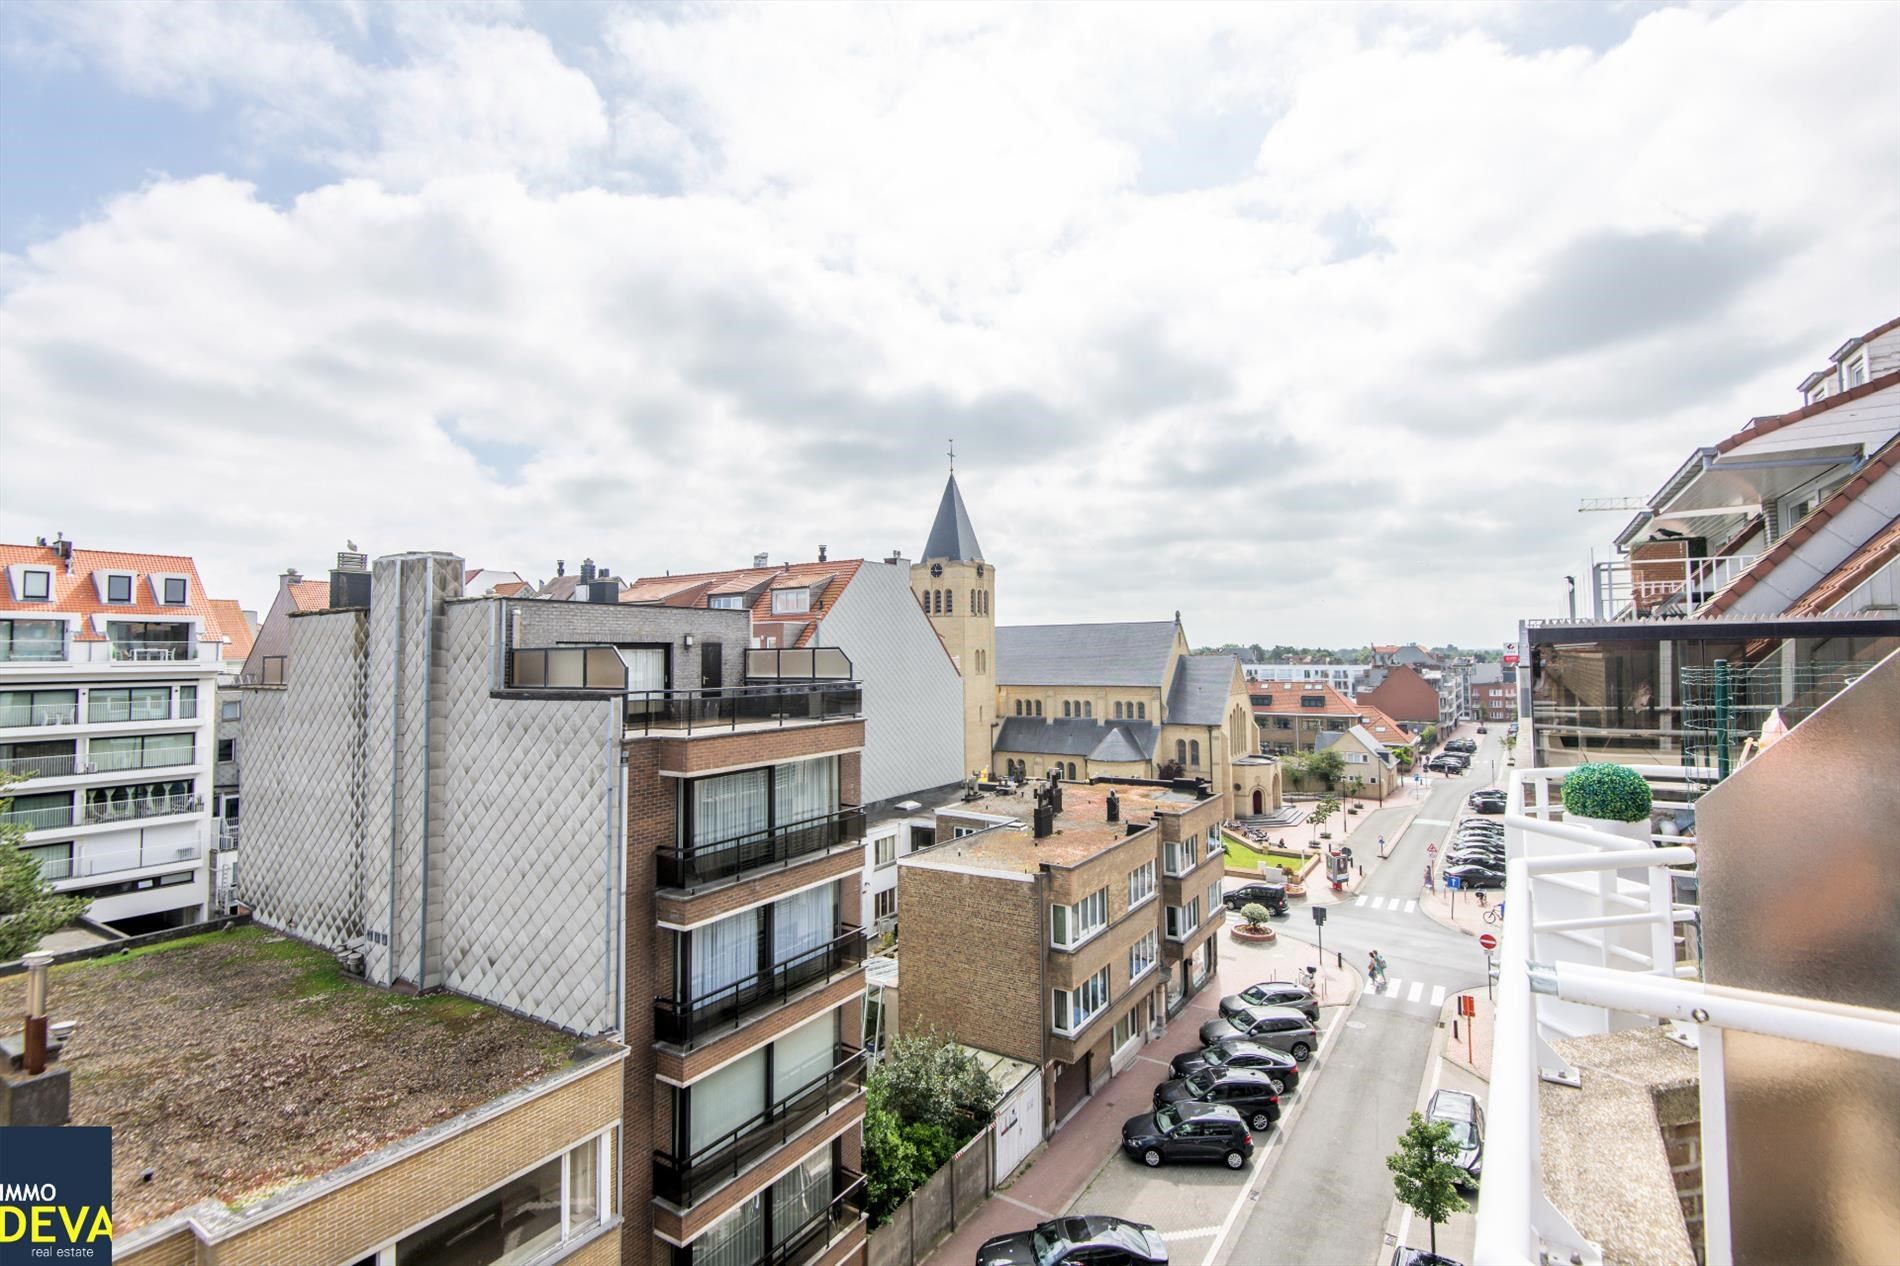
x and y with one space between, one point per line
1082 829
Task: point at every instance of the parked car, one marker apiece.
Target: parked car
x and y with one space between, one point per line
1482 730
1403 1256
1188 1131
1466 1119
1471 875
1477 854
1446 763
1086 1238
1462 745
1488 806
1246 1091
1239 1052
1479 826
1272 896
1273 993
1279 1027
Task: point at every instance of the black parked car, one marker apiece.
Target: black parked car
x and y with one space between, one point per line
1246 1091
1239 1052
1279 1027
1474 876
1188 1131
1462 745
1272 993
1491 859
1272 896
1447 763
1466 1118
1088 1238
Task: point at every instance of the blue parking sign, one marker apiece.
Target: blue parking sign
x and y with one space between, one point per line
1453 881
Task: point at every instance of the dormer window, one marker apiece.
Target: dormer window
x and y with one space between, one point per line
172 590
731 602
36 586
1855 372
791 601
119 587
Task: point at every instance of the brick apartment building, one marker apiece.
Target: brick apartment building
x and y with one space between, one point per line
1096 923
1406 695
615 819
1292 715
1494 701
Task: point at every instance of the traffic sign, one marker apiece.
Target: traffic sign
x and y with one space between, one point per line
1319 915
1431 850
1453 881
1488 941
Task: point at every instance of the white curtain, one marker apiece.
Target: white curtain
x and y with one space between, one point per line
724 953
803 1055
805 789
802 1194
729 806
646 669
727 1099
803 922
737 1239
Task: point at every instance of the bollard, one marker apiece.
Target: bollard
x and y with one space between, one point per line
1454 1029
1341 960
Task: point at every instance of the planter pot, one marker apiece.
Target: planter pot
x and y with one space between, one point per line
1637 831
1265 936
1326 835
1296 890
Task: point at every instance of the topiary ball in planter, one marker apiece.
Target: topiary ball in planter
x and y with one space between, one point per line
1611 793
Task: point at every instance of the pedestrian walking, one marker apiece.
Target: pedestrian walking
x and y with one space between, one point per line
1429 885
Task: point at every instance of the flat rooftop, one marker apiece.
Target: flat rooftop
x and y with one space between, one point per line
1082 829
234 1064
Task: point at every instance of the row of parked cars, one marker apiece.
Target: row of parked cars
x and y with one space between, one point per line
1475 853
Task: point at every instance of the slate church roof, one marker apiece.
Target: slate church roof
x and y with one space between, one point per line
952 536
1133 654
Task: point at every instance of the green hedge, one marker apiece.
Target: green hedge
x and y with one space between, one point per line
1613 793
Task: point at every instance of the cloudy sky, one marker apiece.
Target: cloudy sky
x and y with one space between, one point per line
1311 322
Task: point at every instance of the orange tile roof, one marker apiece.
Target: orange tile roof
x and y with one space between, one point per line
1383 727
236 629
76 594
510 588
310 595
838 572
1284 697
1881 548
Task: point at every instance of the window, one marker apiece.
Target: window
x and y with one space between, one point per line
1182 920
1065 707
1282 723
1141 712
958 832
972 600
231 710
32 640
39 707
1141 958
1118 709
173 591
949 602
135 703
1069 926
1019 707
1173 859
1194 753
1213 896
791 601
227 750
560 1200
1141 884
187 702
1071 771
1075 1008
36 586
727 602
886 850
1038 707
1857 372
885 904
1180 751
1088 708
139 751
119 588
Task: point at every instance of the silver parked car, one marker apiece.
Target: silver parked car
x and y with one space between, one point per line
1281 1028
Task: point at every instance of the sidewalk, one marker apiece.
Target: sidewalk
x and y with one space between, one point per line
1057 1174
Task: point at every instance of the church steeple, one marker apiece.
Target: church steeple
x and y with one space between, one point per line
951 536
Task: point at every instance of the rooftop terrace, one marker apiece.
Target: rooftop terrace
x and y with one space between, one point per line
235 1064
1082 829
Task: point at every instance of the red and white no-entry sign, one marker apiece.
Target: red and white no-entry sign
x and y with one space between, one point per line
1488 941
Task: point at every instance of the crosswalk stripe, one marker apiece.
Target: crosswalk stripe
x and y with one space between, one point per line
1431 821
1411 907
1418 987
1392 987
1360 902
1438 996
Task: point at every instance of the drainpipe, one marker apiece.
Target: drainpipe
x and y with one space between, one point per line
395 766
428 755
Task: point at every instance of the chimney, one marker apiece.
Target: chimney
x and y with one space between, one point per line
64 548
352 560
601 589
821 553
587 570
1045 818
560 567
758 560
31 1093
1114 807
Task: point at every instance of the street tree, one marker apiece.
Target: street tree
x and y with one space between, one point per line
29 908
1327 766
1423 1176
1326 808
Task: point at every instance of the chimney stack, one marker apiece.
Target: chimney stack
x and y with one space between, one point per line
759 560
30 1092
560 567
587 570
1045 820
1114 807
821 553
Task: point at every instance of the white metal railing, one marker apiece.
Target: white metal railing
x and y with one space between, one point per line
1588 946
40 714
1629 588
87 865
39 766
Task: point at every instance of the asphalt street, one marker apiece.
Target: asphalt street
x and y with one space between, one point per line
1329 1193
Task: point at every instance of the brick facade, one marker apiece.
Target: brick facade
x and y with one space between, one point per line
972 962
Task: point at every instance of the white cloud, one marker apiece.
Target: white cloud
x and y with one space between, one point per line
1304 316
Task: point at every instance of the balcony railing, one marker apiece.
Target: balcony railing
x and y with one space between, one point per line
1632 588
143 807
110 762
688 865
737 707
41 714
39 766
46 819
686 1021
86 865
807 663
802 1245
51 651
683 1180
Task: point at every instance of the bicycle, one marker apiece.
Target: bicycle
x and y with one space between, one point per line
1495 914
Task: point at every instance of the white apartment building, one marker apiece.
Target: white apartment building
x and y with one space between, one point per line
109 665
1344 678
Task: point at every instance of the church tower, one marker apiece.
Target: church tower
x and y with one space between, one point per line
957 590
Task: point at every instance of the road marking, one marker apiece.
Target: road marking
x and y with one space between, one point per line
1028 1207
1360 902
1418 987
1199 1232
1438 996
1390 988
1431 821
1411 907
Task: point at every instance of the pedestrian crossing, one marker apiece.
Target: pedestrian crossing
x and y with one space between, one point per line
1395 904
1408 991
